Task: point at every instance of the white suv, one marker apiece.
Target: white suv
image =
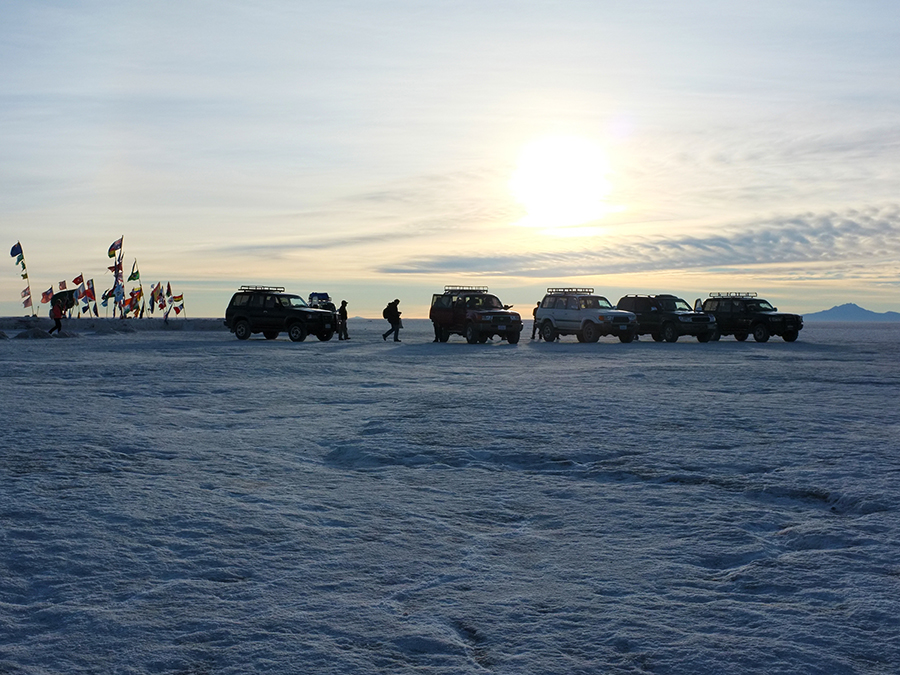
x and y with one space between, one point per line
578 312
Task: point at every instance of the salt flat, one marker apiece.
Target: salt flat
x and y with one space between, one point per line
182 502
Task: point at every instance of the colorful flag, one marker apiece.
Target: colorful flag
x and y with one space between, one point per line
168 290
135 273
116 268
89 294
95 310
78 280
20 260
62 285
15 250
26 292
178 298
115 246
24 275
178 309
47 295
27 302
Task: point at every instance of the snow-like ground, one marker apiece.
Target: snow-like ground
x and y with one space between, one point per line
182 502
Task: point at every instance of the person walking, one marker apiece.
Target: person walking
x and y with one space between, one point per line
392 314
342 321
534 323
56 314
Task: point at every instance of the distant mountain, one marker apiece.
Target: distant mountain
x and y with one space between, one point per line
851 312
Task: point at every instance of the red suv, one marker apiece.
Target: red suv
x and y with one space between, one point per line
474 313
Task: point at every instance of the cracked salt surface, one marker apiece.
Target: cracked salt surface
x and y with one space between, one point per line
188 503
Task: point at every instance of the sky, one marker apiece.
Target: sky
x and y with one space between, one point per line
383 150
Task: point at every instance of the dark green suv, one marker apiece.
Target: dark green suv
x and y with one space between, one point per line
744 314
270 311
667 317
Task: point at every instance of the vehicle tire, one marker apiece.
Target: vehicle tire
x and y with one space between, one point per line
297 332
270 334
791 336
471 333
657 337
590 332
740 336
670 333
513 337
242 329
760 333
626 337
482 338
325 336
445 335
715 336
579 336
548 332
704 337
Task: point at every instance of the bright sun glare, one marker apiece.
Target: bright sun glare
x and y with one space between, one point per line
562 182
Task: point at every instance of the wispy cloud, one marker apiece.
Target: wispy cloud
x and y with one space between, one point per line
805 240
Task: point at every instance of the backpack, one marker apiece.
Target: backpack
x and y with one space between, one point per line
385 313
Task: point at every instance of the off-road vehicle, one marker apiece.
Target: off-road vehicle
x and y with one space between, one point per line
743 314
270 311
578 312
474 313
667 317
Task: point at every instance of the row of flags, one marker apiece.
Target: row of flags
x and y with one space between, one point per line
131 304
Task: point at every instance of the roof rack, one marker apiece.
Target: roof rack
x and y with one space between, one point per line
570 290
272 289
475 289
734 294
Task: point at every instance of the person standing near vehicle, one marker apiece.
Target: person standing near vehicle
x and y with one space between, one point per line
56 314
392 314
534 323
342 321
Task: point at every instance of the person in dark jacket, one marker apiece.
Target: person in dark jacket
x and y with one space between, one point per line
392 314
342 321
534 323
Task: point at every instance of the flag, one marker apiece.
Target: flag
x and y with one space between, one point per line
27 302
24 275
135 273
116 268
79 292
95 309
178 309
89 294
115 246
47 295
20 260
62 285
78 280
26 292
168 290
15 250
178 298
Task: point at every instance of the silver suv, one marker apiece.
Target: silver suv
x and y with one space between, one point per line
578 312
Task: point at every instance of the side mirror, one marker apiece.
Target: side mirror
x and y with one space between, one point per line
507 306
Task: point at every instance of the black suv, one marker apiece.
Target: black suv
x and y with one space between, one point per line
474 313
668 317
269 310
743 314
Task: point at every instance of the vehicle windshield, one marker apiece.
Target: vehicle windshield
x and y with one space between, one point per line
292 301
760 306
674 305
483 302
595 302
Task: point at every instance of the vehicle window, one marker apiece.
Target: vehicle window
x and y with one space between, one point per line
491 302
293 301
271 301
760 306
589 303
560 303
548 301
573 303
710 305
603 303
240 300
441 300
642 305
256 300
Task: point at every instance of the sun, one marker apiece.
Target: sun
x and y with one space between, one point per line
562 182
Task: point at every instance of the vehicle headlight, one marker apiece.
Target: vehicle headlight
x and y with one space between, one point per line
685 318
515 317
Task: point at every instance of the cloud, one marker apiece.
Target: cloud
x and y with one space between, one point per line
803 242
